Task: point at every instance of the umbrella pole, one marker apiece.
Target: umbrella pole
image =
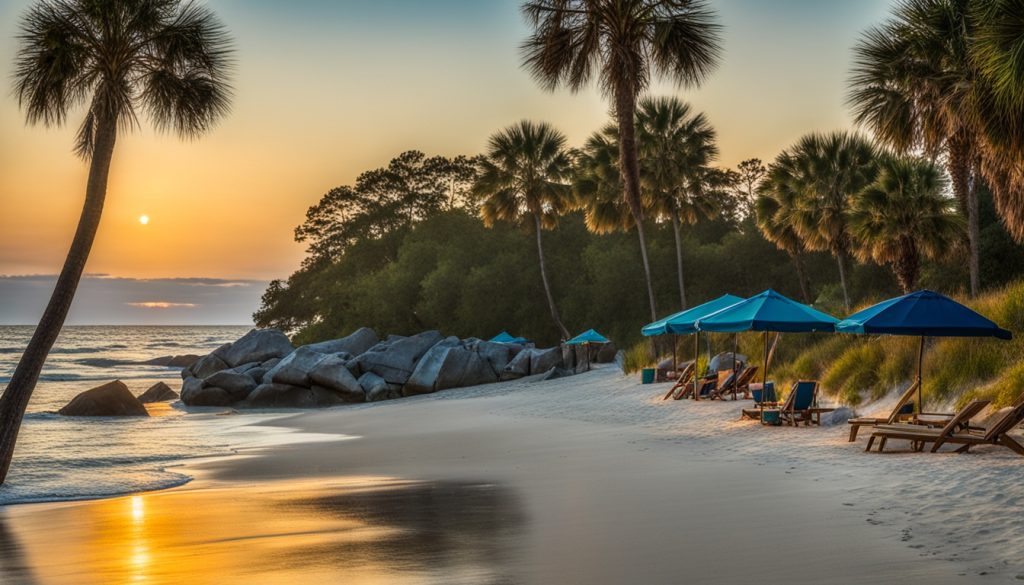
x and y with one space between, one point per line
920 377
696 357
735 368
675 365
764 375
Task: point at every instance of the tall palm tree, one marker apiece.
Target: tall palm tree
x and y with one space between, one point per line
621 43
903 216
938 77
676 146
774 209
524 177
597 183
166 57
825 172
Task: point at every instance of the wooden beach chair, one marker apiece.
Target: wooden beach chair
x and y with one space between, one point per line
895 416
802 404
959 430
724 381
919 435
685 377
743 381
705 386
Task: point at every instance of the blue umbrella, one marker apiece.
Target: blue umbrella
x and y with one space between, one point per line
504 337
768 311
924 313
586 338
684 322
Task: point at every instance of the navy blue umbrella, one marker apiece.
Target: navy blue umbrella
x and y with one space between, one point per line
923 313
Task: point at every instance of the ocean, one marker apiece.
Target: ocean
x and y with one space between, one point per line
70 458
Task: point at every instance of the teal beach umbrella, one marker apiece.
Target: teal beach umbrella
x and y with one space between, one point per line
586 338
505 337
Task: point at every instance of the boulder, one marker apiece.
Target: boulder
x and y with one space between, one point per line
208 396
189 387
355 343
245 368
257 374
423 378
542 360
237 386
606 353
110 399
463 368
294 368
518 366
258 345
288 396
395 360
159 392
569 355
268 364
375 387
332 373
497 354
206 366
182 361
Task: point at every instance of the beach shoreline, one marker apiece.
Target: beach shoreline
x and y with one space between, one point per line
589 479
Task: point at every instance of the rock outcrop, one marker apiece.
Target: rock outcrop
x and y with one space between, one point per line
110 399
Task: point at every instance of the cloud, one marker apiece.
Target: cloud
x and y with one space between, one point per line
104 299
162 305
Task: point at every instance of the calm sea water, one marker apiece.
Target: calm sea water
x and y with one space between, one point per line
63 458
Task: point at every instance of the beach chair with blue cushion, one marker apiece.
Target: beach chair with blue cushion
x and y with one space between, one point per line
802 405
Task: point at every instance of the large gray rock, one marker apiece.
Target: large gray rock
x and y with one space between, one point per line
332 373
519 366
462 368
353 396
375 387
288 396
256 346
606 353
159 392
294 368
237 386
395 360
195 393
110 399
569 355
182 361
498 355
355 343
423 378
206 366
542 360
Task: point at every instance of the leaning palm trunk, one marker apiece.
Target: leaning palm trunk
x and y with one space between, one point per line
547 286
801 276
625 111
19 390
964 177
679 261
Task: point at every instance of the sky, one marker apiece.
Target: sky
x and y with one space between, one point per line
325 89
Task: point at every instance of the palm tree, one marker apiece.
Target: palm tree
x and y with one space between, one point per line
597 183
939 77
620 43
903 216
166 57
524 176
825 172
774 209
676 147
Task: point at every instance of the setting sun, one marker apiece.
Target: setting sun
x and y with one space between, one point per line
144 219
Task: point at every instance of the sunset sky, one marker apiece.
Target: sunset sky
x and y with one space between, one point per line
327 89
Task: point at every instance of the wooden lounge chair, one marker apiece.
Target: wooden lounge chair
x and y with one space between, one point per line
685 377
959 431
895 416
724 382
800 406
705 387
743 381
919 435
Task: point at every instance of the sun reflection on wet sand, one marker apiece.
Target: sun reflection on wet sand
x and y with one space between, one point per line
364 530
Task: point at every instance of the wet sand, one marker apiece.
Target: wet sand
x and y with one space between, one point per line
497 485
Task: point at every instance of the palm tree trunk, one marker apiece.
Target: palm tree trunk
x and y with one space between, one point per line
23 382
625 113
547 286
841 261
908 265
679 261
801 276
964 175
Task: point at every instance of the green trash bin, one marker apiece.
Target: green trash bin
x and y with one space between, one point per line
647 376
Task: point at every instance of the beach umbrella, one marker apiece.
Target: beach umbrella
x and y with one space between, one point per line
925 314
505 337
586 338
684 322
768 311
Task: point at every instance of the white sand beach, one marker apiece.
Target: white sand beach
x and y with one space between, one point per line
587 479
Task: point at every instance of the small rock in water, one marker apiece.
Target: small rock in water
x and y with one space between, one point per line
110 399
159 392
